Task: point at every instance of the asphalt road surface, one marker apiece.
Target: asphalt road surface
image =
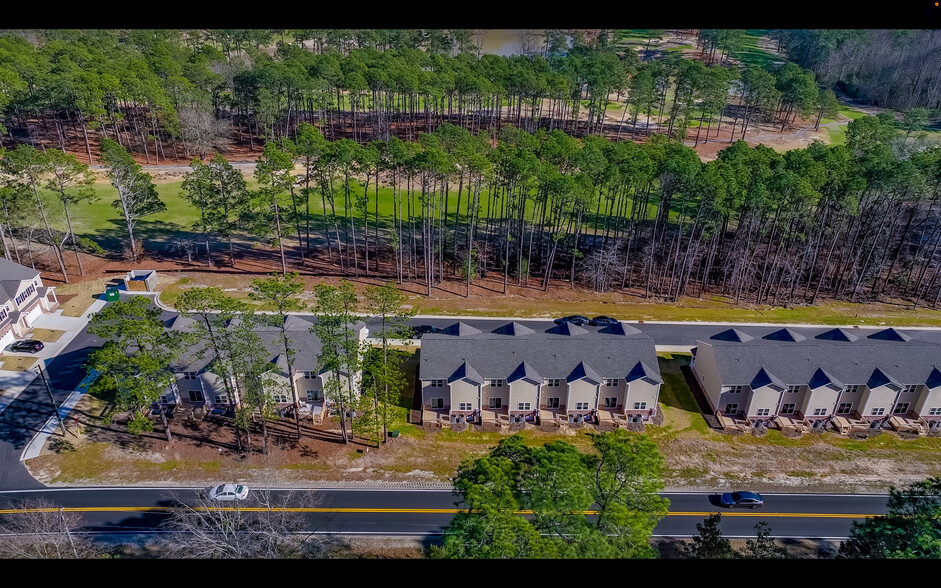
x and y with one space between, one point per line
427 512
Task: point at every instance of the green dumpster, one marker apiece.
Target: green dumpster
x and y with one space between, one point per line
394 433
112 295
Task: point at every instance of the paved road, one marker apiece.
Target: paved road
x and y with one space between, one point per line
427 512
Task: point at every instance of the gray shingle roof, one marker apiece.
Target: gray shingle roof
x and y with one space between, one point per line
765 378
305 344
525 371
548 354
466 372
642 370
732 335
583 371
460 329
13 271
568 329
513 329
785 335
619 329
840 357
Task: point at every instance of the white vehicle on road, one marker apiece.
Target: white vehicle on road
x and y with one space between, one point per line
227 492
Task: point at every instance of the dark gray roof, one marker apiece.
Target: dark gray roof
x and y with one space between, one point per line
15 272
460 329
306 346
524 371
583 371
785 335
890 334
642 370
765 378
732 335
619 328
835 355
546 354
513 329
568 329
466 372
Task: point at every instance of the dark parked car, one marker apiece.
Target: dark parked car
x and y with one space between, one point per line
420 330
27 345
575 319
602 321
741 500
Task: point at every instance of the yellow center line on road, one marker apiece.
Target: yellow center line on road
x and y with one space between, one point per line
798 515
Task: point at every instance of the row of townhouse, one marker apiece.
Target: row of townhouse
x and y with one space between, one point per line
23 298
833 377
516 374
197 385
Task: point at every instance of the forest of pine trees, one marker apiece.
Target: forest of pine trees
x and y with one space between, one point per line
490 167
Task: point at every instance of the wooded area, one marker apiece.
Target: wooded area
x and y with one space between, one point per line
528 199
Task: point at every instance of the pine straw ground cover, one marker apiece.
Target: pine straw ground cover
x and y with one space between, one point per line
203 452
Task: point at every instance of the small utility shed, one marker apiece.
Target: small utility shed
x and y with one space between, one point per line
141 280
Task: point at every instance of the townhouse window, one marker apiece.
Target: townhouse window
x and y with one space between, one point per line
464 406
496 403
189 375
763 412
878 411
309 375
787 408
820 412
196 395
909 389
524 406
437 383
3 313
281 397
165 399
552 403
26 293
496 383
731 408
734 389
852 389
220 398
901 407
437 403
610 382
793 389
554 383
640 406
934 411
844 408
581 406
313 395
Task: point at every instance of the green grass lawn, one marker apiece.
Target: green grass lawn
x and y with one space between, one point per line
104 223
837 136
751 54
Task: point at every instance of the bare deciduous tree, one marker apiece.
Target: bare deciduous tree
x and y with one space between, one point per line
604 266
267 526
43 531
201 131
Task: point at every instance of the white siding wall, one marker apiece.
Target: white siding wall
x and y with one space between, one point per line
764 397
618 391
428 392
523 391
707 374
881 396
487 392
582 391
641 391
462 391
822 397
930 398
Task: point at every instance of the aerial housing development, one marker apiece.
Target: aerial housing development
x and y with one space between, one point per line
558 376
471 293
836 377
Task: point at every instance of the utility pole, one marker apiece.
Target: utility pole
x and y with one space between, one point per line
52 399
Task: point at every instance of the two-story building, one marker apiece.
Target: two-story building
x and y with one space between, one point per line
836 374
23 298
517 374
199 383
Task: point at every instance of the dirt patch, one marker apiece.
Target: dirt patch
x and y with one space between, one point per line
17 363
45 335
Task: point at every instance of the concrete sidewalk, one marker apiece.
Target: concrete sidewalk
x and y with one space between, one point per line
13 383
34 447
